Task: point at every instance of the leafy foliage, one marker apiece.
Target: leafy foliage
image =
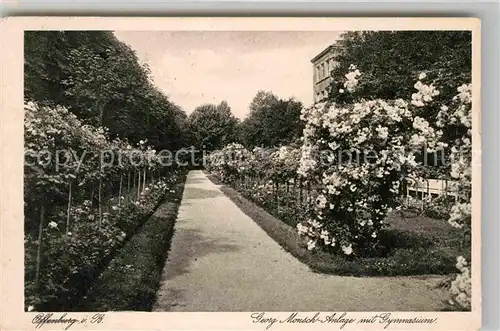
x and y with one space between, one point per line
395 57
272 121
99 79
93 123
212 126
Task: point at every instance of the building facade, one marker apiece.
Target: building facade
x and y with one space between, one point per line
323 64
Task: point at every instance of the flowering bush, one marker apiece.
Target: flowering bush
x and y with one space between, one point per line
358 154
70 259
267 176
458 115
229 163
461 287
68 166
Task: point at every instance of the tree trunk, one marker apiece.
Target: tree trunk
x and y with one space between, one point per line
138 183
134 183
144 180
308 191
120 191
101 112
92 195
300 191
68 214
276 190
128 186
39 249
99 196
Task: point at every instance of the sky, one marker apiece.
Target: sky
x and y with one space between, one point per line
198 67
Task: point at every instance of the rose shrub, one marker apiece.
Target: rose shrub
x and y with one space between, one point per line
458 115
68 166
358 154
266 176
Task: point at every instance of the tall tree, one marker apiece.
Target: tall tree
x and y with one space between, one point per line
391 61
212 126
101 80
272 121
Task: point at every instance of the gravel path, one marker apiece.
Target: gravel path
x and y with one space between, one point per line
220 260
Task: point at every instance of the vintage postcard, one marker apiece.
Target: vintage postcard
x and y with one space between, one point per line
240 173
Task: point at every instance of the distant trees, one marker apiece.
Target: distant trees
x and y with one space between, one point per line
212 126
100 79
272 121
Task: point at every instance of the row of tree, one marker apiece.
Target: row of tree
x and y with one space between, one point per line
272 121
100 80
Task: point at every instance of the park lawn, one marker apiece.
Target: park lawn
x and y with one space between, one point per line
411 244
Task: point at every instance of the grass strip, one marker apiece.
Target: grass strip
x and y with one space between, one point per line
133 277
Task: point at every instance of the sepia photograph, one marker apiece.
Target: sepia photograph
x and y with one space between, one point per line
199 171
253 171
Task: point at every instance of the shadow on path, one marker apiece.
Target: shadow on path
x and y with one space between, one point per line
192 244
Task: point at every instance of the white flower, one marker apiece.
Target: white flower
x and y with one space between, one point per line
321 201
383 132
311 244
461 262
69 233
422 76
52 225
341 90
30 308
302 229
347 249
315 223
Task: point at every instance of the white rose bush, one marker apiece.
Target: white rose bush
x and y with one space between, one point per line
458 115
352 167
267 176
84 195
358 154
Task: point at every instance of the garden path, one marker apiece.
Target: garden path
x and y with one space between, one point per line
220 260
